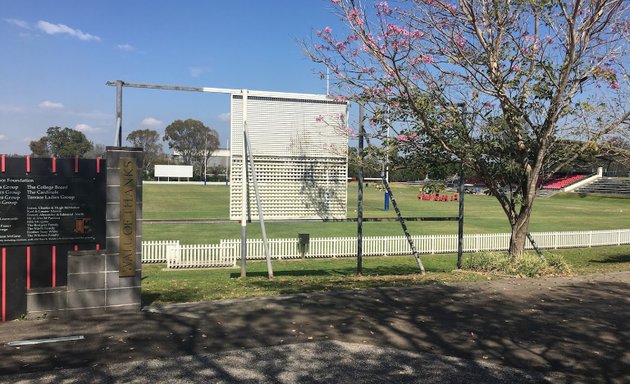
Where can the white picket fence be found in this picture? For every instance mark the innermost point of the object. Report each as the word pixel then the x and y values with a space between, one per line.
pixel 155 251
pixel 227 252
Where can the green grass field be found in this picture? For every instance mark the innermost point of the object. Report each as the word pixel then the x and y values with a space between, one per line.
pixel 159 285
pixel 562 212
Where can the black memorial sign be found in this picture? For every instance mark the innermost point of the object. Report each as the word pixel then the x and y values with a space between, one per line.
pixel 51 201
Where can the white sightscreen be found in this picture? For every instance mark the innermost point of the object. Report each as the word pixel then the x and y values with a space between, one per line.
pixel 173 171
pixel 299 145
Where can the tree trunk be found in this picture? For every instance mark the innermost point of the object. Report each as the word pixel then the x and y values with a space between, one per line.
pixel 520 228
pixel 518 238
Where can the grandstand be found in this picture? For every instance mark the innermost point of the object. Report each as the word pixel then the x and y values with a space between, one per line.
pixel 608 186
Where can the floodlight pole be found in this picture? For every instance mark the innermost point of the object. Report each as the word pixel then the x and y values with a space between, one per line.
pixel 205 163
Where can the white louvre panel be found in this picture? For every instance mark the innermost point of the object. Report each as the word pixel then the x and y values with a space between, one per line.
pixel 300 144
pixel 290 126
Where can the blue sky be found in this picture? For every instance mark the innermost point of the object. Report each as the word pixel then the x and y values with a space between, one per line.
pixel 57 56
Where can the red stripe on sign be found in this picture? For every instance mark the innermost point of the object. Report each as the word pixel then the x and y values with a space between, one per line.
pixel 54 266
pixel 28 164
pixel 4 284
pixel 28 267
pixel 98 165
pixel 76 164
pixel 98 246
pixel 4 164
pixel 76 247
pixel 54 165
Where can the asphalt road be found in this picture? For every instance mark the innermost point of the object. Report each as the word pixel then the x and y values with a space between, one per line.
pixel 571 329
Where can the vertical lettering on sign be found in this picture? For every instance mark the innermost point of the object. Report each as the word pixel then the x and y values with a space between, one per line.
pixel 128 186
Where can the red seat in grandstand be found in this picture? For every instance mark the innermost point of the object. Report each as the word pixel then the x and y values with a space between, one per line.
pixel 564 182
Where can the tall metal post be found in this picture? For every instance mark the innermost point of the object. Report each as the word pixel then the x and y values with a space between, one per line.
pixel 244 194
pixel 401 220
pixel 460 226
pixel 360 195
pixel 205 163
pixel 263 229
pixel 386 167
pixel 119 87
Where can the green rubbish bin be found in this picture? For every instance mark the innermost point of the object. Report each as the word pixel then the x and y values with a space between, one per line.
pixel 303 243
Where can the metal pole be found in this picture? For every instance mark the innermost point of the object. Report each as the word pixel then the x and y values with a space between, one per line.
pixel 386 166
pixel 259 205
pixel 119 86
pixel 244 194
pixel 205 162
pixel 401 220
pixel 460 226
pixel 360 196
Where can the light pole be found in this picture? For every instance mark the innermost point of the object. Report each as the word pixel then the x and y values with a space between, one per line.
pixel 205 162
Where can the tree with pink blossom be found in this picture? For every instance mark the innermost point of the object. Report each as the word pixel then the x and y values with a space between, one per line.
pixel 493 84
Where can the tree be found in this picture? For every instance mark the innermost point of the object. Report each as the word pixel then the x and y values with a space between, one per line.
pixel 193 141
pixel 149 141
pixel 61 142
pixel 493 83
pixel 98 150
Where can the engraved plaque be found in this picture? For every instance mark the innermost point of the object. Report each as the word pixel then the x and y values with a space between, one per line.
pixel 128 186
pixel 64 206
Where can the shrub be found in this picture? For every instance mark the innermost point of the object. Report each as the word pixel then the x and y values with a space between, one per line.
pixel 530 264
pixel 558 264
pixel 486 262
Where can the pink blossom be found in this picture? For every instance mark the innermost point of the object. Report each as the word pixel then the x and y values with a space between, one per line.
pixel 354 17
pixel 614 85
pixel 460 41
pixel 402 137
pixel 327 30
pixel 351 132
pixel 396 29
pixel 383 8
pixel 416 34
pixel 341 46
pixel 335 1
pixel 319 119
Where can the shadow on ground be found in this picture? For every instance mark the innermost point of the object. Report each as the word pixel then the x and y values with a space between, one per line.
pixel 573 326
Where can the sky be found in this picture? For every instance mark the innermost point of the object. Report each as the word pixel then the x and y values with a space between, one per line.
pixel 58 55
